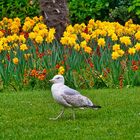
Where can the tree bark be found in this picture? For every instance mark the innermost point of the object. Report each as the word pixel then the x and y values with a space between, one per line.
pixel 55 13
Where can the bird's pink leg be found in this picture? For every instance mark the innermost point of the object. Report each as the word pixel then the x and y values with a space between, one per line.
pixel 61 113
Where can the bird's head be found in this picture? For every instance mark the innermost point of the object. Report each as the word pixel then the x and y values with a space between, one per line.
pixel 57 79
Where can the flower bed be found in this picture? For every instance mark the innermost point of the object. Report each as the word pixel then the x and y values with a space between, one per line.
pixel 99 54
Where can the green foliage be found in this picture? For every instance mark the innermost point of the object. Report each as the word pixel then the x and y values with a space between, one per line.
pixel 19 8
pixel 122 10
pixel 83 10
pixel 80 10
pixel 112 10
pixel 135 7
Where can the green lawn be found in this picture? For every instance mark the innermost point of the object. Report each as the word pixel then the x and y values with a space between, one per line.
pixel 25 116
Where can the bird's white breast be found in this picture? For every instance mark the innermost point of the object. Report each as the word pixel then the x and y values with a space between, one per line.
pixel 56 91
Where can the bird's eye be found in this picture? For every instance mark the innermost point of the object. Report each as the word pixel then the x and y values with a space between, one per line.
pixel 57 77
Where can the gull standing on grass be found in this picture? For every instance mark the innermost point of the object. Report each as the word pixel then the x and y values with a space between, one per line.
pixel 68 97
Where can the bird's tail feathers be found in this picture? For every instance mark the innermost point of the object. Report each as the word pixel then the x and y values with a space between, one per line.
pixel 95 106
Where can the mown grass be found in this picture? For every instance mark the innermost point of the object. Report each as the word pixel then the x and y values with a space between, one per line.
pixel 25 116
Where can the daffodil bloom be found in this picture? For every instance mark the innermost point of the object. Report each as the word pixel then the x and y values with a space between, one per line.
pixel 101 42
pixel 137 46
pixel 70 29
pixel 116 47
pixel 88 50
pixel 10 39
pixel 83 44
pixel 27 56
pixel 1 34
pixel 41 18
pixel 120 52
pixel 1 48
pixel 103 33
pixel 39 39
pixel 132 51
pixel 115 55
pixel 23 47
pixel 36 29
pixel 77 29
pixel 15 37
pixel 61 70
pixel 137 35
pixel 64 40
pixel 82 26
pixel 91 22
pixel 15 60
pixel 36 19
pixel 14 28
pixel 125 40
pixel 85 36
pixel 77 47
pixel 43 32
pixel 50 36
pixel 28 25
pixel 41 25
pixel 22 39
pixel 32 35
pixel 15 45
pixel 71 41
pixel 114 37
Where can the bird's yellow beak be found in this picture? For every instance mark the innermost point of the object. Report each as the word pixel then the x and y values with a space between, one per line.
pixel 52 81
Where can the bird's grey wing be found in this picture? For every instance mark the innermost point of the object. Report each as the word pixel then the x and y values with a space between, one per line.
pixel 77 100
pixel 70 91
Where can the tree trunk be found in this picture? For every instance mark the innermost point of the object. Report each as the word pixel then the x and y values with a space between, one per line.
pixel 55 13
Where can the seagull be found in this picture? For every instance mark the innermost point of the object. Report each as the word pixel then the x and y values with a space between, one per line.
pixel 68 97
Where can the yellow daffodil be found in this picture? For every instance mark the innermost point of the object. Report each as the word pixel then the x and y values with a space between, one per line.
pixel 23 47
pixel 51 35
pixel 22 39
pixel 132 51
pixel 61 70
pixel 137 46
pixel 137 35
pixel 115 55
pixel 120 52
pixel 77 47
pixel 32 35
pixel 39 39
pixel 1 34
pixel 70 29
pixel 27 56
pixel 125 40
pixel 15 60
pixel 116 47
pixel 83 44
pixel 88 50
pixel 101 42
pixel 1 48
pixel 85 36
pixel 114 37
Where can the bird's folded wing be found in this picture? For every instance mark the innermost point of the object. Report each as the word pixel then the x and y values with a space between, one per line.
pixel 70 91
pixel 75 100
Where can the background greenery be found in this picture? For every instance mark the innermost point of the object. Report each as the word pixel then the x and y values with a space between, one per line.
pixel 80 10
pixel 110 10
pixel 25 115
pixel 19 8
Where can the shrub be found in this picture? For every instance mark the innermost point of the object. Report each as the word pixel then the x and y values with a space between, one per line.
pixel 111 10
pixel 19 8
pixel 135 9
pixel 83 10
